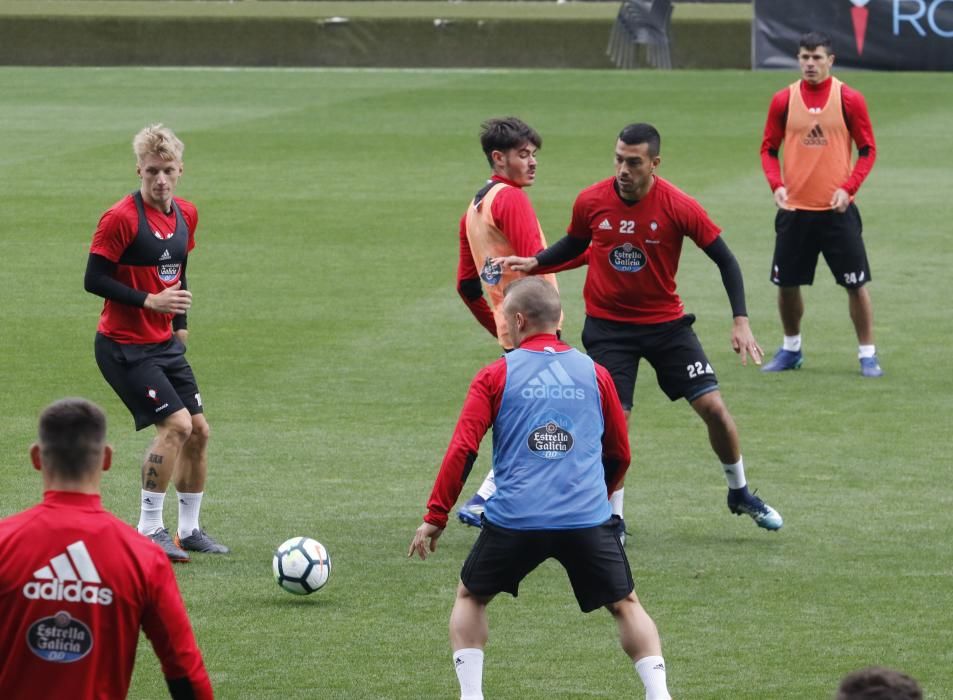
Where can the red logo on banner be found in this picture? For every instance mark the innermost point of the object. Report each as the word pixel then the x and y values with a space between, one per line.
pixel 858 15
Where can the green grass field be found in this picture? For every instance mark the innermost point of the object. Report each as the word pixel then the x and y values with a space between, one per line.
pixel 333 355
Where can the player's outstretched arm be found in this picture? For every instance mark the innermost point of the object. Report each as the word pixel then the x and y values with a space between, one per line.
pixel 426 532
pixel 517 263
pixel 742 339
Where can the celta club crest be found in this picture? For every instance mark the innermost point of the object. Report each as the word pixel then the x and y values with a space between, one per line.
pixel 858 16
pixel 491 274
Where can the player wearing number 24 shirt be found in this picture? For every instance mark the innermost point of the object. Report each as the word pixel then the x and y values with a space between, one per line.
pixel 634 225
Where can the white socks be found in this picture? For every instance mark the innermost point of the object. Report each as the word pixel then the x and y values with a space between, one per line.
pixel 615 500
pixel 468 663
pixel 793 343
pixel 189 506
pixel 651 670
pixel 488 487
pixel 735 474
pixel 150 512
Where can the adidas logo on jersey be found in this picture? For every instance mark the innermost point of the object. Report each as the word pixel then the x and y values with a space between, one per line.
pixel 605 225
pixel 552 383
pixel 70 576
pixel 165 255
pixel 815 137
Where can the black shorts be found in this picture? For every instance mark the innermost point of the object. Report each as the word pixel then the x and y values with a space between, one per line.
pixel 592 556
pixel 802 234
pixel 671 348
pixel 154 381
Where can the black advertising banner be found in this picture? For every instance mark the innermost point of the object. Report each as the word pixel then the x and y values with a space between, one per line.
pixel 874 34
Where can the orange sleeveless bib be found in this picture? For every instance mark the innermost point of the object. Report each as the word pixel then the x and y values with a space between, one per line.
pixel 817 150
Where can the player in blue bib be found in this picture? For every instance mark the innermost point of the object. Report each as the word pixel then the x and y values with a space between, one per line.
pixel 560 447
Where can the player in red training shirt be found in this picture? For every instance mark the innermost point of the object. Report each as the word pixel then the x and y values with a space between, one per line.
pixel 137 262
pixel 633 226
pixel 499 221
pixel 817 117
pixel 77 584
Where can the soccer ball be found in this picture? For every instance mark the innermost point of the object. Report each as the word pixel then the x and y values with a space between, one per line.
pixel 301 565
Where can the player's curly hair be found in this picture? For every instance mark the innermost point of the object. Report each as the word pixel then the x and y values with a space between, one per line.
pixel 159 140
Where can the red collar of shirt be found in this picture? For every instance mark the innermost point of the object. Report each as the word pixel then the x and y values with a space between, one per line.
pixel 541 341
pixel 820 90
pixel 824 85
pixel 90 501
pixel 500 178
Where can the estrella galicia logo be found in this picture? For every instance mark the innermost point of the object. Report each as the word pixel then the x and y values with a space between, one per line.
pixel 491 274
pixel 627 258
pixel 168 272
pixel 550 441
pixel 61 638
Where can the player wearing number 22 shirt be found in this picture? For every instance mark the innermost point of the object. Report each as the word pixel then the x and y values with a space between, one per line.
pixel 634 225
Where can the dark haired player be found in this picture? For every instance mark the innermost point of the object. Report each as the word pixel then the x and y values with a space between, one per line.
pixel 77 584
pixel 817 117
pixel 633 226
pixel 499 221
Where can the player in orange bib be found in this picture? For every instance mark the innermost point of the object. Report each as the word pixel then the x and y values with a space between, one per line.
pixel 817 117
pixel 499 221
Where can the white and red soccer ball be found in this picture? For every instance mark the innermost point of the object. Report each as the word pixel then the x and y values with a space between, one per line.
pixel 301 565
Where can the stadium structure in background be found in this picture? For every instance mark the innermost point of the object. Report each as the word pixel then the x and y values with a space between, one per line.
pixel 875 34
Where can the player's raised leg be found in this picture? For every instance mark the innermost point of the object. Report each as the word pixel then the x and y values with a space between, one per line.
pixel 471 512
pixel 723 436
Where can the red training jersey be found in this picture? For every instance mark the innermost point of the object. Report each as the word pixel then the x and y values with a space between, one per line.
pixel 76 585
pixel 815 97
pixel 635 248
pixel 119 240
pixel 479 411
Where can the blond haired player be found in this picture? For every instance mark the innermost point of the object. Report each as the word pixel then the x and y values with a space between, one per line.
pixel 137 262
